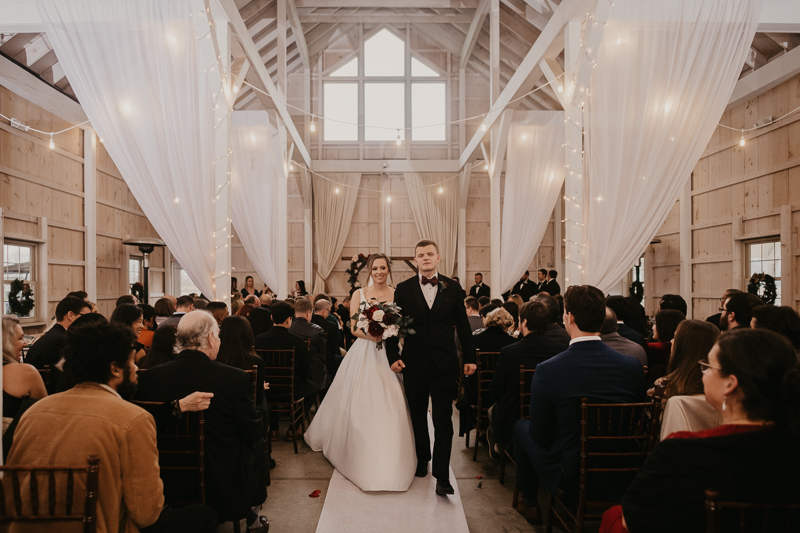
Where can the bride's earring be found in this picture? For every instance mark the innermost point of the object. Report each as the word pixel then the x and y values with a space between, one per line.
pixel 724 405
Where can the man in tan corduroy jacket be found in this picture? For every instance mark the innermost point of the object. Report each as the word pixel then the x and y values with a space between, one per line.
pixel 94 418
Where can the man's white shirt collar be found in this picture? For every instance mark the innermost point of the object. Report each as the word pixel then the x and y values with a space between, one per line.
pixel 584 339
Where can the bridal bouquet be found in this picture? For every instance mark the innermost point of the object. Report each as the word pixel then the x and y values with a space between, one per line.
pixel 382 320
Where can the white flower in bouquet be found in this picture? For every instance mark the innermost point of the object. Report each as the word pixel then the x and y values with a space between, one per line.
pixel 362 324
pixel 355 259
pixel 377 316
pixel 391 331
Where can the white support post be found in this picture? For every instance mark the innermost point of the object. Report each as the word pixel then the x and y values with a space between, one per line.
pixel 494 50
pixel 499 143
pixel 90 213
pixel 43 269
pixel 283 209
pixel 461 250
pixel 686 246
pixel 573 183
pixel 462 109
pixel 787 254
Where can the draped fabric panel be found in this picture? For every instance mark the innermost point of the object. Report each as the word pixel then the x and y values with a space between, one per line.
pixel 135 69
pixel 255 191
pixel 435 213
pixel 534 176
pixel 332 215
pixel 664 74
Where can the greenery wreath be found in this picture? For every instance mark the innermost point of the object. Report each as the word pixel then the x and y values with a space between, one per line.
pixel 20 307
pixel 769 294
pixel 359 262
pixel 637 291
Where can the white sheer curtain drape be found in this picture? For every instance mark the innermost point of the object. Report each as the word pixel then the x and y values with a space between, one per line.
pixel 134 68
pixel 255 191
pixel 435 213
pixel 534 176
pixel 332 215
pixel 664 74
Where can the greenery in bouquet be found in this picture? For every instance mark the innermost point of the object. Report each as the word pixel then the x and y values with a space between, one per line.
pixel 382 320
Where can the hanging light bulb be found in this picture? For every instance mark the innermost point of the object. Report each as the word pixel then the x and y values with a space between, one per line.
pixel 441 190
pixel 291 166
pixel 312 127
pixel 398 141
pixel 741 141
pixel 560 88
pixel 486 166
pixel 52 144
pixel 337 190
pixel 235 89
pixel 101 140
pixel 483 127
pixel 388 198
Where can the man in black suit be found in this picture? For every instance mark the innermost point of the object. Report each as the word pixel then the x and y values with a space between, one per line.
pixel 333 358
pixel 541 280
pixel 525 288
pixel 551 286
pixel 429 361
pixel 232 423
pixel 303 328
pixel 737 311
pixel 46 351
pixel 533 348
pixel 619 305
pixel 185 304
pixel 279 338
pixel 547 447
pixel 480 288
pixel 554 331
pixel 714 319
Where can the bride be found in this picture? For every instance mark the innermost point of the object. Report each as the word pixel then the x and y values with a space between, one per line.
pixel 363 426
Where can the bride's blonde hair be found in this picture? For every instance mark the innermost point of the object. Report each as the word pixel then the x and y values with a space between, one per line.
pixel 372 259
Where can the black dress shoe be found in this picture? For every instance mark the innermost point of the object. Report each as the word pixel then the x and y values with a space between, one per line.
pixel 261 525
pixel 422 469
pixel 443 487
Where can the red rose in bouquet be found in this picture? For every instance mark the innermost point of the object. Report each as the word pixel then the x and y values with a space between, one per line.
pixel 375 329
pixel 389 319
pixel 369 312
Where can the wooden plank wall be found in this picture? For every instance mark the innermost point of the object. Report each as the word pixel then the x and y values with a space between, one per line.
pixel 738 194
pixel 37 182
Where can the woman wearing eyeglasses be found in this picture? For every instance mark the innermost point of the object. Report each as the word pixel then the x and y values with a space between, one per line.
pixel 752 378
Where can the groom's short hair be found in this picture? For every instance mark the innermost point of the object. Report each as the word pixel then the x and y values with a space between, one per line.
pixel 303 306
pixel 423 243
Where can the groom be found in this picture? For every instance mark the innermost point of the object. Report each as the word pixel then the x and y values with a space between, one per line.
pixel 429 361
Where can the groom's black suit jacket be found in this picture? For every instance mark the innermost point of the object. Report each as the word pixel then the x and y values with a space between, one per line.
pixel 431 350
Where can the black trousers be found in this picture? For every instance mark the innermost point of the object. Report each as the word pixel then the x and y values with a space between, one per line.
pixel 188 519
pixel 442 391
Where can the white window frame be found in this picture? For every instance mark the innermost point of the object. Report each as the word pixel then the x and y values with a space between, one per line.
pixel 407 79
pixel 776 239
pixel 35 275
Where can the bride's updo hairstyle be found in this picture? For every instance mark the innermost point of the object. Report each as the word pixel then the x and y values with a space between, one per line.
pixel 372 259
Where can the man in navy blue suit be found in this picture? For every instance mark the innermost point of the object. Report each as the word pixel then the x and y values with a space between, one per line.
pixel 547 447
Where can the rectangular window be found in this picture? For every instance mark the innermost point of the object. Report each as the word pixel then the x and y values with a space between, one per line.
pixel 385 110
pixel 428 111
pixel 764 257
pixel 182 284
pixel 19 283
pixel 134 270
pixel 341 112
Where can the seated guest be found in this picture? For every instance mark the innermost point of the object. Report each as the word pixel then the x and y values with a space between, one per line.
pixel 473 313
pixel 483 301
pixel 236 350
pixel 219 310
pixel 164 309
pixel 236 305
pixel 95 418
pixel 163 347
pixel 232 424
pixel 637 317
pixel 249 288
pixel 126 299
pixel 132 317
pixel 330 317
pixel 554 331
pixel 714 319
pixel 666 323
pixel 303 328
pixel 67 379
pixel 344 315
pixel 737 311
pixel 513 309
pixel 673 301
pixel 20 381
pixel 279 338
pixel 83 295
pixel 149 322
pixel 260 317
pixel 200 303
pixel 253 300
pixel 266 298
pixel 333 357
pixel 686 408
pixel 615 341
pixel 47 350
pixel 533 348
pixel 245 310
pixel 783 320
pixel 547 447
pixel 752 378
pixel 622 309
pixel 185 305
pixel 491 339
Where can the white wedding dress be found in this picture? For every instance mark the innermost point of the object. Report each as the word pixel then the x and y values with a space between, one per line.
pixel 363 426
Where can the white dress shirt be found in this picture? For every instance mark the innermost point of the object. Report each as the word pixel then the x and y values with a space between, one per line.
pixel 584 339
pixel 428 290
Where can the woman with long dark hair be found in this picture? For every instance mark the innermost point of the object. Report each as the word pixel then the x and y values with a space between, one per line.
pixel 236 350
pixel 300 288
pixel 163 348
pixel 149 321
pixel 133 317
pixel 667 321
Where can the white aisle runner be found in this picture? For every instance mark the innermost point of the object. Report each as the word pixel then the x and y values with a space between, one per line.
pixel 348 509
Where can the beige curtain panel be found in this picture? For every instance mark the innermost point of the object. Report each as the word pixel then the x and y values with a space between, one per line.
pixel 435 213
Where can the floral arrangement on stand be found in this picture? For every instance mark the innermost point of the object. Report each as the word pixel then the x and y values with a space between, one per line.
pixel 20 307
pixel 763 286
pixel 359 262
pixel 382 320
pixel 137 289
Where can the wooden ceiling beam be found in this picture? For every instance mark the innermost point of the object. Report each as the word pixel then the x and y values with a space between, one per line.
pixel 297 31
pixel 472 33
pixel 434 4
pixel 378 18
